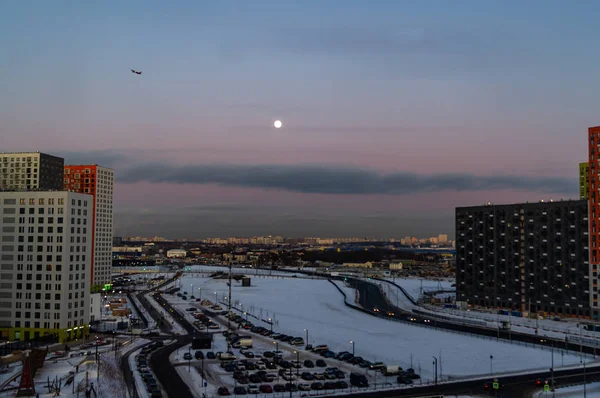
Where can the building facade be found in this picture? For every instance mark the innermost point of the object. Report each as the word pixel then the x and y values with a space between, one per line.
pixel 30 171
pixel 584 178
pixel 526 257
pixel 45 258
pixel 99 182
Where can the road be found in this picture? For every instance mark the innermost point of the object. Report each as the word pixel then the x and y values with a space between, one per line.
pixel 127 371
pixel 162 368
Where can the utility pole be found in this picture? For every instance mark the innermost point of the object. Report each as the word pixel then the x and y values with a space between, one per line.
pixel 229 304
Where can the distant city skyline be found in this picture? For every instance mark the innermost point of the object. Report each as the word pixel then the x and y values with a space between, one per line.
pixel 393 114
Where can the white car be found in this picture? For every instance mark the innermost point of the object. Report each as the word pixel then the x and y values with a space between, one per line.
pixel 253 389
pixel 301 387
pixel 227 356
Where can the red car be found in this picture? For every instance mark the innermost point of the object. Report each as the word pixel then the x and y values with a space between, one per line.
pixel 266 389
pixel 223 391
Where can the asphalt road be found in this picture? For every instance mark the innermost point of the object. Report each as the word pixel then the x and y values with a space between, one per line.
pixel 127 371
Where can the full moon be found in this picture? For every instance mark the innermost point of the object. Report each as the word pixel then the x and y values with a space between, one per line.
pixel 277 124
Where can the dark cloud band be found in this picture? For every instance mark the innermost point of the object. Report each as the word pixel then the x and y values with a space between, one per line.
pixel 338 180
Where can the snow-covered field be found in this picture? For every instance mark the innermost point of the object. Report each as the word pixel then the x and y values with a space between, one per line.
pixel 296 304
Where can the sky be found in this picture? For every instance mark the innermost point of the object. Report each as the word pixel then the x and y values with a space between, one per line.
pixel 394 112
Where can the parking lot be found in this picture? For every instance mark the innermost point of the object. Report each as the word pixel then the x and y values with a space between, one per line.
pixel 260 361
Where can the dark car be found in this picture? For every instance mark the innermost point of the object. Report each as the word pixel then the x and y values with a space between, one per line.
pixel 265 389
pixel 307 376
pixel 341 384
pixel 223 391
pixel 279 388
pixel 210 355
pixel 291 387
pixel 239 391
pixel 345 357
pixel 309 364
pixel 268 354
pixel 330 385
pixel 358 380
pixel 321 363
pixel 199 355
pixel 316 386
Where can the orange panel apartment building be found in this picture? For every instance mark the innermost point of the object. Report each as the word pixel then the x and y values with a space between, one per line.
pixel 594 209
pixel 99 182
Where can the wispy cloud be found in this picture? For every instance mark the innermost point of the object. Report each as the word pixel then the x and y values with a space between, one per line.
pixel 338 180
pixel 106 158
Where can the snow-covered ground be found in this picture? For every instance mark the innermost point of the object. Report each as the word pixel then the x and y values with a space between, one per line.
pixel 545 327
pixel 592 390
pixel 108 384
pixel 296 304
pixel 416 286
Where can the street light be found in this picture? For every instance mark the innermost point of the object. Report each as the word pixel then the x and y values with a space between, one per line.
pixel 306 330
pixel 200 295
pixel 276 346
pixel 352 342
pixel 435 367
pixel 491 369
pixel 298 362
pixel 189 358
pixel 271 322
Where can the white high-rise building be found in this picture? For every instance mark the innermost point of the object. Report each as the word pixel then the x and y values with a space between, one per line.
pixel 45 264
pixel 99 182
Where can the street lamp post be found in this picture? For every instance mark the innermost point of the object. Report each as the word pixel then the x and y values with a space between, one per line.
pixel 276 346
pixel 189 358
pixel 298 363
pixel 271 323
pixel 352 342
pixel 491 368
pixel 200 294
pixel 306 330
pixel 192 289
pixel 552 368
pixel 435 362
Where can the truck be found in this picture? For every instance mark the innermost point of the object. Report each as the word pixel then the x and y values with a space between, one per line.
pixel 391 370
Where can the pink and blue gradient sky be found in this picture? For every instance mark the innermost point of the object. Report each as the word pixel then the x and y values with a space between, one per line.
pixel 394 112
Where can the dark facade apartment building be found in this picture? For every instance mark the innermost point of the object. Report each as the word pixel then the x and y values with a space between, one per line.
pixel 526 257
pixel 31 171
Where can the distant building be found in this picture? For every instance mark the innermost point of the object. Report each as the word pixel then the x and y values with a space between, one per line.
pixel 176 253
pixel 99 182
pixel 127 250
pixel 584 178
pixel 442 238
pixel 396 266
pixel 525 256
pixel 359 265
pixel 30 171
